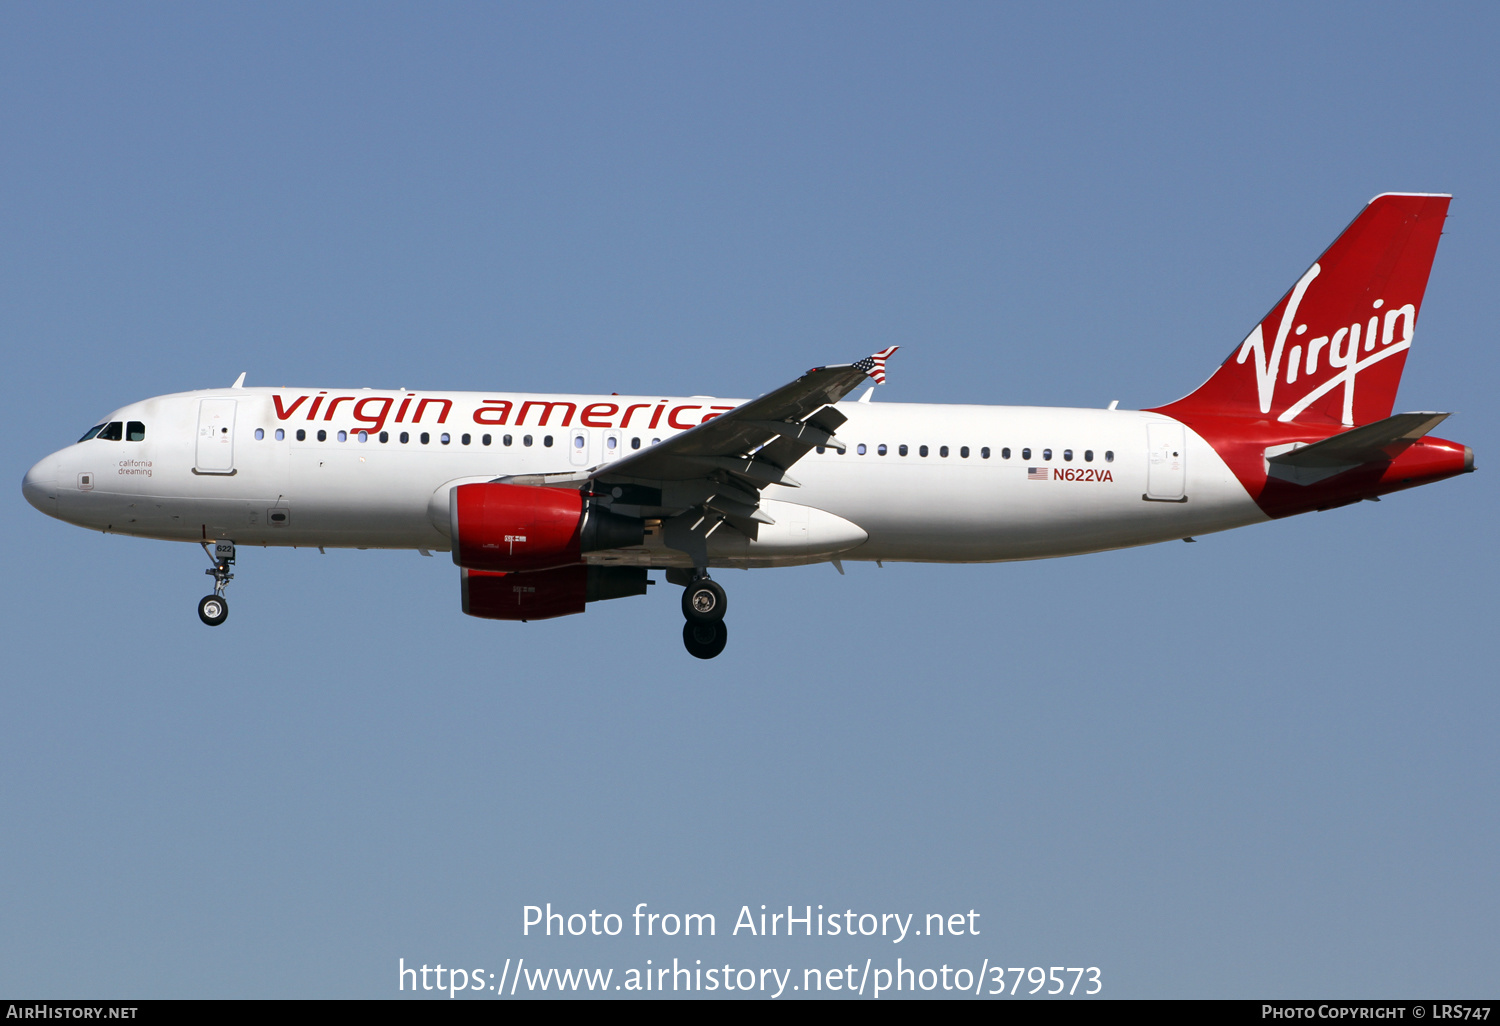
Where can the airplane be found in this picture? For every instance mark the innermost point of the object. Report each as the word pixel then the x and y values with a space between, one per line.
pixel 549 502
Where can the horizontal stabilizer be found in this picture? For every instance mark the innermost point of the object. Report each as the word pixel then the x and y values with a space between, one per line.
pixel 1379 442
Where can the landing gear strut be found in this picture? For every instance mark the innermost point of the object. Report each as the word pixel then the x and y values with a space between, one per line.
pixel 703 606
pixel 214 609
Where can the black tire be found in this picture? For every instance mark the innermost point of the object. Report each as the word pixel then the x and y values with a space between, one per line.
pixel 213 610
pixel 705 640
pixel 704 602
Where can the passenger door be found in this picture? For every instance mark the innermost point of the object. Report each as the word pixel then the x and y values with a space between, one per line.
pixel 1166 473
pixel 215 436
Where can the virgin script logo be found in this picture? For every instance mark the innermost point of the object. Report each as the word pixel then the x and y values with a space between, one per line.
pixel 1343 349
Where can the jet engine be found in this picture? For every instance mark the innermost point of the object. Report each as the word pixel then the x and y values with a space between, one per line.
pixel 517 528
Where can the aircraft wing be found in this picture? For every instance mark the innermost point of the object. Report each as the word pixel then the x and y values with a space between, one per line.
pixel 719 467
pixel 762 437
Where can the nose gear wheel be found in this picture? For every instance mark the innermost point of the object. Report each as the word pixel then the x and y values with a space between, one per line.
pixel 213 610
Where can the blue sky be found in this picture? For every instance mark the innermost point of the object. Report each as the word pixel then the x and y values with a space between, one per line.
pixel 1259 765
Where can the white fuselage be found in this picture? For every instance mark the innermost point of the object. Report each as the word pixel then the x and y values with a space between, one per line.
pixel 1054 482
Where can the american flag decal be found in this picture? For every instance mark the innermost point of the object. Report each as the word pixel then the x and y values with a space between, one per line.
pixel 1036 473
pixel 875 365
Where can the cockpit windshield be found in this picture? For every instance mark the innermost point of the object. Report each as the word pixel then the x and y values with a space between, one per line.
pixel 116 431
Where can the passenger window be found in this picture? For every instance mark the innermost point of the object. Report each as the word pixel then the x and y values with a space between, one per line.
pixel 984 453
pixel 1067 455
pixel 92 432
pixel 964 452
pixel 1109 456
pixel 547 441
pixel 860 448
pixel 1088 455
pixel 880 449
pixel 445 438
pixel 822 449
pixel 364 436
pixel 1005 453
pixel 922 450
pixel 1026 453
pixel 1046 454
pixel 656 441
pixel 343 436
pixel 943 451
pixel 385 436
pixel 322 435
pixel 424 438
pixel 464 439
pixel 506 440
pixel 113 432
pixel 135 431
pixel 404 437
pixel 281 435
pixel 611 443
pixel 635 443
pixel 578 441
pixel 525 439
pixel 260 435
pixel 484 439
pixel 902 450
pixel 301 435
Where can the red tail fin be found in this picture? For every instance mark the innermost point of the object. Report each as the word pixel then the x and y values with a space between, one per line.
pixel 1332 350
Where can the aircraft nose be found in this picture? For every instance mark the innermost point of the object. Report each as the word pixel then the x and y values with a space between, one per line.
pixel 40 486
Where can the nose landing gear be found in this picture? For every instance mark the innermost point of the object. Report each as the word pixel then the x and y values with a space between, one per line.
pixel 703 606
pixel 214 609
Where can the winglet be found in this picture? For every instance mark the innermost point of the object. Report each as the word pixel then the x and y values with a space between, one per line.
pixel 875 365
pixel 239 382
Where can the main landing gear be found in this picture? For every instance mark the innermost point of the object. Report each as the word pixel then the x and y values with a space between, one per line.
pixel 214 609
pixel 703 606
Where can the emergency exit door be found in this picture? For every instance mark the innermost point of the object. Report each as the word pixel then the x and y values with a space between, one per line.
pixel 578 448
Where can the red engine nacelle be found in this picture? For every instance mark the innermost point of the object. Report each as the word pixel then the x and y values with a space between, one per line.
pixel 543 594
pixel 515 528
